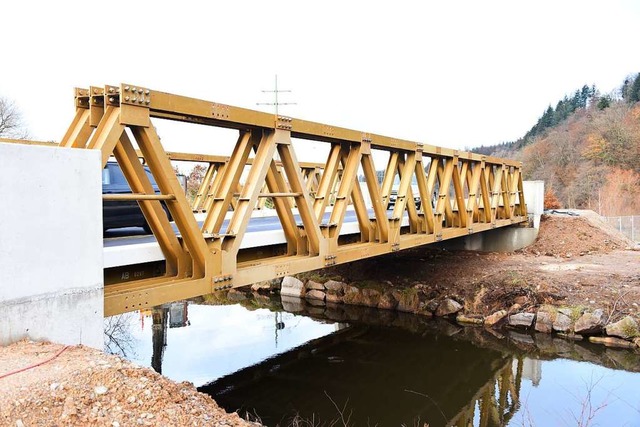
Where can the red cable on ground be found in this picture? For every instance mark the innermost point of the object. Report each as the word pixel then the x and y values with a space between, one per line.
pixel 35 364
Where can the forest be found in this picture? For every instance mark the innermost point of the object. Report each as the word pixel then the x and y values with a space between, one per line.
pixel 586 149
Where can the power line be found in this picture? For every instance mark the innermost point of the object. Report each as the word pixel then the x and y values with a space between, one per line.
pixel 276 91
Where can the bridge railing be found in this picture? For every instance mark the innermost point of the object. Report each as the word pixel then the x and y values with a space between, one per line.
pixel 473 193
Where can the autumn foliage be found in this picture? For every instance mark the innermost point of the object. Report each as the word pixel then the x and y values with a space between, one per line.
pixel 620 194
pixel 591 159
pixel 550 200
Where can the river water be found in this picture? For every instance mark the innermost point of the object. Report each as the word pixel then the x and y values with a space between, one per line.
pixel 363 367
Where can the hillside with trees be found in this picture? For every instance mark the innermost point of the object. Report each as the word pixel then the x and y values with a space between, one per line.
pixel 586 149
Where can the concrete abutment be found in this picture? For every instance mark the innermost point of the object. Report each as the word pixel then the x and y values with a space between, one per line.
pixel 51 256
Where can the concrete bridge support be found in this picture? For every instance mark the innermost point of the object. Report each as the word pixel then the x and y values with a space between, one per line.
pixel 507 239
pixel 51 278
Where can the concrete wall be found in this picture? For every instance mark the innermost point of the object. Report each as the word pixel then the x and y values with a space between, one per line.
pixel 534 197
pixel 51 279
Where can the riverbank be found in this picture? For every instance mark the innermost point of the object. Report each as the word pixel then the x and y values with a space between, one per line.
pixel 81 386
pixel 580 279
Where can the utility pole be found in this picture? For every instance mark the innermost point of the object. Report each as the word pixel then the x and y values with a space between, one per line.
pixel 276 103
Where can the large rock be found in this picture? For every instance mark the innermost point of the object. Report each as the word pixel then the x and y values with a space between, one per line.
pixel 468 320
pixel 626 328
pixel 448 307
pixel 408 300
pixel 334 286
pixel 371 297
pixel 590 323
pixel 292 287
pixel 334 291
pixel 352 295
pixel 311 285
pixel 266 286
pixel 261 287
pixel 563 321
pixel 333 298
pixel 494 318
pixel 522 320
pixel 431 305
pixel 315 295
pixel 544 320
pixel 388 302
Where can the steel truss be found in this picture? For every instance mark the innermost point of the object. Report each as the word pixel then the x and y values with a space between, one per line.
pixel 473 193
pixel 497 401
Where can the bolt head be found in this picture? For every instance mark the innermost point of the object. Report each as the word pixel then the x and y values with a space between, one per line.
pixel 112 99
pixel 126 88
pixel 126 98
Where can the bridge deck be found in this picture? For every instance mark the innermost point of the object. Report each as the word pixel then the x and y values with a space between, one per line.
pixel 128 247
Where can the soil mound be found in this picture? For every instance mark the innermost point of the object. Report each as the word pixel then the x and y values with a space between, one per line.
pixel 83 386
pixel 567 236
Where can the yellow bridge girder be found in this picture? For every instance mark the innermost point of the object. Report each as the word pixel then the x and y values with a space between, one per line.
pixel 473 193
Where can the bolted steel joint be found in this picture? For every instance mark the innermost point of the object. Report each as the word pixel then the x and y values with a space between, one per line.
pixel 284 123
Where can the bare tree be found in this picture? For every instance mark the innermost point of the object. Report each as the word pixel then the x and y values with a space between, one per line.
pixel 11 123
pixel 117 335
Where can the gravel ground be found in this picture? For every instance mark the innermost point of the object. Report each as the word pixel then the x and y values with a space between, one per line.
pixel 85 387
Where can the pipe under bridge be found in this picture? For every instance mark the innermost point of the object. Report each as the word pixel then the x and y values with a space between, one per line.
pixel 462 193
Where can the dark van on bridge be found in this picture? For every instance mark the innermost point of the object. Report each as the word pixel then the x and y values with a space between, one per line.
pixel 122 213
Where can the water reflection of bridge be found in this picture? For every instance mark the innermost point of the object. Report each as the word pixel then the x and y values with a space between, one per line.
pixel 384 376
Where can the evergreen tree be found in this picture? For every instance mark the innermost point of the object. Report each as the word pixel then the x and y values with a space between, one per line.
pixel 634 91
pixel 626 91
pixel 585 95
pixel 546 120
pixel 604 102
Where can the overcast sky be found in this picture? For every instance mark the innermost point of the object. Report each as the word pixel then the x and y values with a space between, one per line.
pixel 454 73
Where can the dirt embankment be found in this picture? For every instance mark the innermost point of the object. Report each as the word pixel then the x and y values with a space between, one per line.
pixel 576 260
pixel 85 387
